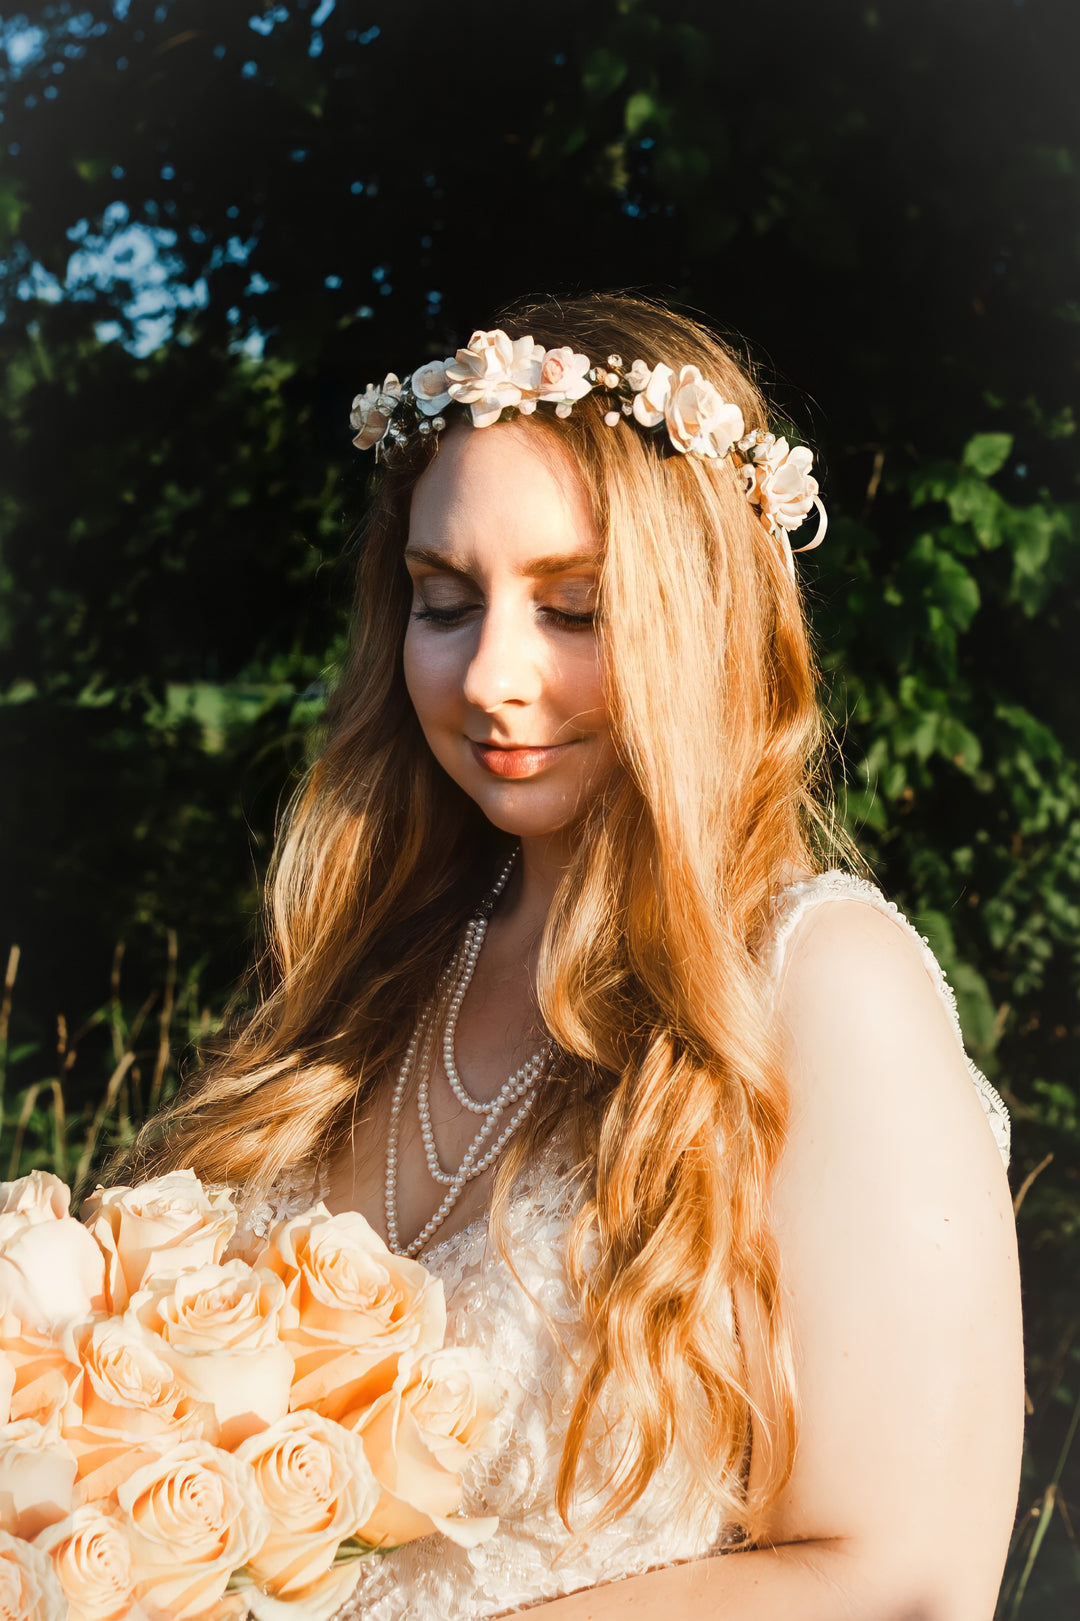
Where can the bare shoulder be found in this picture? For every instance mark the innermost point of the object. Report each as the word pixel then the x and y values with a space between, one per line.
pixel 891 1214
pixel 866 1033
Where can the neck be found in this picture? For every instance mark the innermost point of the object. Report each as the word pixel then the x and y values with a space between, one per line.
pixel 540 865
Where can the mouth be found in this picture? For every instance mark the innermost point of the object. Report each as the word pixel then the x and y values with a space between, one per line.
pixel 519 760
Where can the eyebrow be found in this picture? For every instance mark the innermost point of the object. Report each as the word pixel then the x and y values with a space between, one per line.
pixel 538 568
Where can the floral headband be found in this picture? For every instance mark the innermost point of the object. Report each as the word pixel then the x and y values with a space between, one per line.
pixel 500 377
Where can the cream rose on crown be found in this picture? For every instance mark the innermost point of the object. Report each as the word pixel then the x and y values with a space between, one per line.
pixel 698 420
pixel 370 414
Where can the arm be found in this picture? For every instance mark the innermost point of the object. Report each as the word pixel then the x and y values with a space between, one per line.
pixel 892 1215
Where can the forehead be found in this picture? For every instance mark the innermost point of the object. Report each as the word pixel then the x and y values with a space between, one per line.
pixel 506 485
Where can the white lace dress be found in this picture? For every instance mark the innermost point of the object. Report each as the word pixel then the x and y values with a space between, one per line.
pixel 532 1557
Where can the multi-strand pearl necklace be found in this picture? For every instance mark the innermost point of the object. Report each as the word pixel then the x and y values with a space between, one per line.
pixel 517 1093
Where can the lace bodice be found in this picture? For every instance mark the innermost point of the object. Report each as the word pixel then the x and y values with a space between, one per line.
pixel 532 1557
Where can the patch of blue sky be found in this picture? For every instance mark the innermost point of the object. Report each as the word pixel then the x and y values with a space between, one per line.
pixel 141 256
pixel 266 21
pixel 21 43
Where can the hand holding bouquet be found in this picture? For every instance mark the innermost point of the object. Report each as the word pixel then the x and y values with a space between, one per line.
pixel 185 1433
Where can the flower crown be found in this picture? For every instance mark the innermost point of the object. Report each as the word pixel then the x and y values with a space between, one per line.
pixel 497 377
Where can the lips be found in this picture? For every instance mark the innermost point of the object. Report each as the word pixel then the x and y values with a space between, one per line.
pixel 525 761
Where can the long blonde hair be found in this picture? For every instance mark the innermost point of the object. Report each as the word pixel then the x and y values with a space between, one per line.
pixel 650 979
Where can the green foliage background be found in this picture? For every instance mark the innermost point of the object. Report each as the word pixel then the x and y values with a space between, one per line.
pixel 217 221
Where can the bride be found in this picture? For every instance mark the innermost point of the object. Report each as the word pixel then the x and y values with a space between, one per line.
pixel 568 995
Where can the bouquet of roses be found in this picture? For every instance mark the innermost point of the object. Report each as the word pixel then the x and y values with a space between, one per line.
pixel 187 1433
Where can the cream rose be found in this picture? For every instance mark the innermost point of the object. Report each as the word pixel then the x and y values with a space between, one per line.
pixel 651 398
pixel 91 1557
pixel 192 1518
pixel 781 483
pixel 38 1194
pixel 51 1272
pixel 217 1328
pixel 170 1223
pixel 562 376
pixel 352 1309
pixel 129 1407
pixel 370 414
pixel 418 1439
pixel 699 421
pixel 37 1477
pixel 429 385
pixel 483 375
pixel 314 1478
pixel 29 1590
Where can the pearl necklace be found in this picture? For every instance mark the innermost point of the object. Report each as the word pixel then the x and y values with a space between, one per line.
pixel 519 1089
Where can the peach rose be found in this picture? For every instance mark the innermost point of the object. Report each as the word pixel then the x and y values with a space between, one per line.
pixel 91 1557
pixel 651 398
pixel 352 1308
pixel 562 376
pixel 430 386
pixel 51 1272
pixel 418 1439
pixel 37 1477
pixel 7 1386
pixel 45 1371
pixel 29 1590
pixel 127 1409
pixel 170 1223
pixel 217 1328
pixel 370 414
pixel 39 1194
pixel 699 421
pixel 315 1481
pixel 192 1517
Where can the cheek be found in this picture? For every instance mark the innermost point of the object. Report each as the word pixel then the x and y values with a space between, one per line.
pixel 432 676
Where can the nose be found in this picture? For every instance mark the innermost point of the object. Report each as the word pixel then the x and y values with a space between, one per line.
pixel 506 663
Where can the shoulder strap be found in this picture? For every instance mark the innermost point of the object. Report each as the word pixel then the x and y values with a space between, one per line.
pixel 796 900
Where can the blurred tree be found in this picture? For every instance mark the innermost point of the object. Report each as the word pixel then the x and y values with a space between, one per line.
pixel 216 222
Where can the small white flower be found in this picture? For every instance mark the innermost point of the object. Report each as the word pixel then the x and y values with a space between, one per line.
pixel 698 419
pixel 638 376
pixel 430 386
pixel 370 414
pixel 650 401
pixel 612 418
pixel 562 376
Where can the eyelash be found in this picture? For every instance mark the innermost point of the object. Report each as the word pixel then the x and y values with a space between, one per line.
pixel 448 617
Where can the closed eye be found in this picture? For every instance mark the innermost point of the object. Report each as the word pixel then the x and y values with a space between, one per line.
pixel 455 616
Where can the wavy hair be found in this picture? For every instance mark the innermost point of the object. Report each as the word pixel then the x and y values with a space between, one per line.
pixel 650 979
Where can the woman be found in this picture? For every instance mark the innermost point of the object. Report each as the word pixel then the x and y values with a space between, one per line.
pixel 563 995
